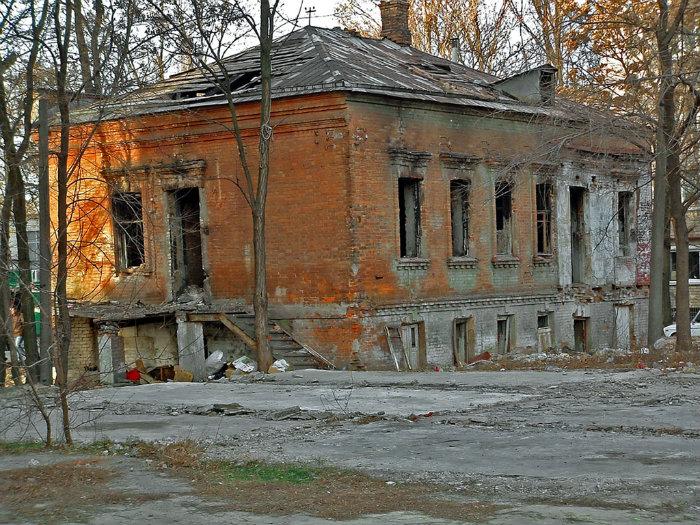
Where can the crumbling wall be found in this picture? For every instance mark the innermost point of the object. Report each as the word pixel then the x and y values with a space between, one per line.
pixel 82 351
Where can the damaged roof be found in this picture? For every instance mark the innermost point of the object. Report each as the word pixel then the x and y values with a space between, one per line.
pixel 315 60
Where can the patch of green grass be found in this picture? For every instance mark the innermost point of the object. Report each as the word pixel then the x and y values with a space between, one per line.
pixel 20 447
pixel 267 473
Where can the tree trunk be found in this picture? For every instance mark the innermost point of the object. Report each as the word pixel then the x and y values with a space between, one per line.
pixel 680 230
pixel 63 325
pixel 664 132
pixel 666 297
pixel 260 300
pixel 19 210
pixel 6 341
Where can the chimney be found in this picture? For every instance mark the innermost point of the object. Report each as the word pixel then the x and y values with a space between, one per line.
pixel 454 49
pixel 395 21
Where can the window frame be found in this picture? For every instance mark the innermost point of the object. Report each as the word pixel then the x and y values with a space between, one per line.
pixel 120 225
pixel 417 190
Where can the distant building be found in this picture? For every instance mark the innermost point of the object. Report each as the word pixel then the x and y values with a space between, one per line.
pixel 33 238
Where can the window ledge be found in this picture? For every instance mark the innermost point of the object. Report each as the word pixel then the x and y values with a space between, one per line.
pixel 505 261
pixel 463 263
pixel 135 270
pixel 412 263
pixel 543 260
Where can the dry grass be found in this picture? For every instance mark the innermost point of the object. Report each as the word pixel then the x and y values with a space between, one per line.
pixel 663 359
pixel 60 492
pixel 282 489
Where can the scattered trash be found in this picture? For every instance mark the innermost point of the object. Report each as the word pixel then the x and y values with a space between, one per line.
pixel 644 351
pixel 133 375
pixel 280 365
pixel 245 364
pixel 33 462
pixel 182 376
pixel 215 365
pixel 641 365
pixel 391 483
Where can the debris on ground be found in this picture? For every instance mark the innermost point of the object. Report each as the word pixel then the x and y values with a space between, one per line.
pixel 181 375
pixel 280 365
pixel 245 364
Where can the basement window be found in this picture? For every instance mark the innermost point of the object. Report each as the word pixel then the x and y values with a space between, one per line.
pixel 504 218
pixel 624 208
pixel 459 197
pixel 127 214
pixel 409 217
pixel 544 219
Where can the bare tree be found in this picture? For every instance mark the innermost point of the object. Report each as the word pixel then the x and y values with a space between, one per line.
pixel 201 32
pixel 21 33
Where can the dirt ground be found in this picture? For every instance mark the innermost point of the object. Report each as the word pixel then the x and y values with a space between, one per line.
pixel 373 447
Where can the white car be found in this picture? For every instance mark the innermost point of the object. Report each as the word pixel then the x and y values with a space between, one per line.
pixel 670 330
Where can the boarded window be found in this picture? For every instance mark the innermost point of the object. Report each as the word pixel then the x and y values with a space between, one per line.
pixel 624 217
pixel 544 331
pixel 128 226
pixel 504 218
pixel 459 197
pixel 409 217
pixel 464 340
pixel 544 219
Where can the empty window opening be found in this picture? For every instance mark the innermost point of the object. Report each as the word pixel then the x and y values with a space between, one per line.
pixel 624 219
pixel 547 80
pixel 578 230
pixel 127 214
pixel 504 334
pixel 459 197
pixel 185 239
pixel 504 218
pixel 693 263
pixel 411 339
pixel 464 341
pixel 544 331
pixel 581 335
pixel 409 217
pixel 544 219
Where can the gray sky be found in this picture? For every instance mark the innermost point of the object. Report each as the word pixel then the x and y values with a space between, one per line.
pixel 324 11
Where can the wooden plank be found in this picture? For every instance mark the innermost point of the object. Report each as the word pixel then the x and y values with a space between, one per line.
pixel 238 331
pixel 391 348
pixel 203 318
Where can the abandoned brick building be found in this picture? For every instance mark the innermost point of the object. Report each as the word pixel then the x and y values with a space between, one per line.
pixel 420 212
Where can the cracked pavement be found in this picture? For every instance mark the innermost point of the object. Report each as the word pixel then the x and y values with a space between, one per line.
pixel 593 446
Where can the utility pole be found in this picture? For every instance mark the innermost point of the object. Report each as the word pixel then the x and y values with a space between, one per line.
pixel 309 11
pixel 45 336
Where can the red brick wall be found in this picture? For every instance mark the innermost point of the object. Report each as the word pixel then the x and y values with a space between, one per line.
pixel 307 205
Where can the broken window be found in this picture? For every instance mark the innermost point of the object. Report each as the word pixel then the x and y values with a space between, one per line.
pixel 459 196
pixel 409 217
pixel 544 219
pixel 504 227
pixel 128 225
pixel 504 334
pixel 577 198
pixel 624 209
pixel 185 239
